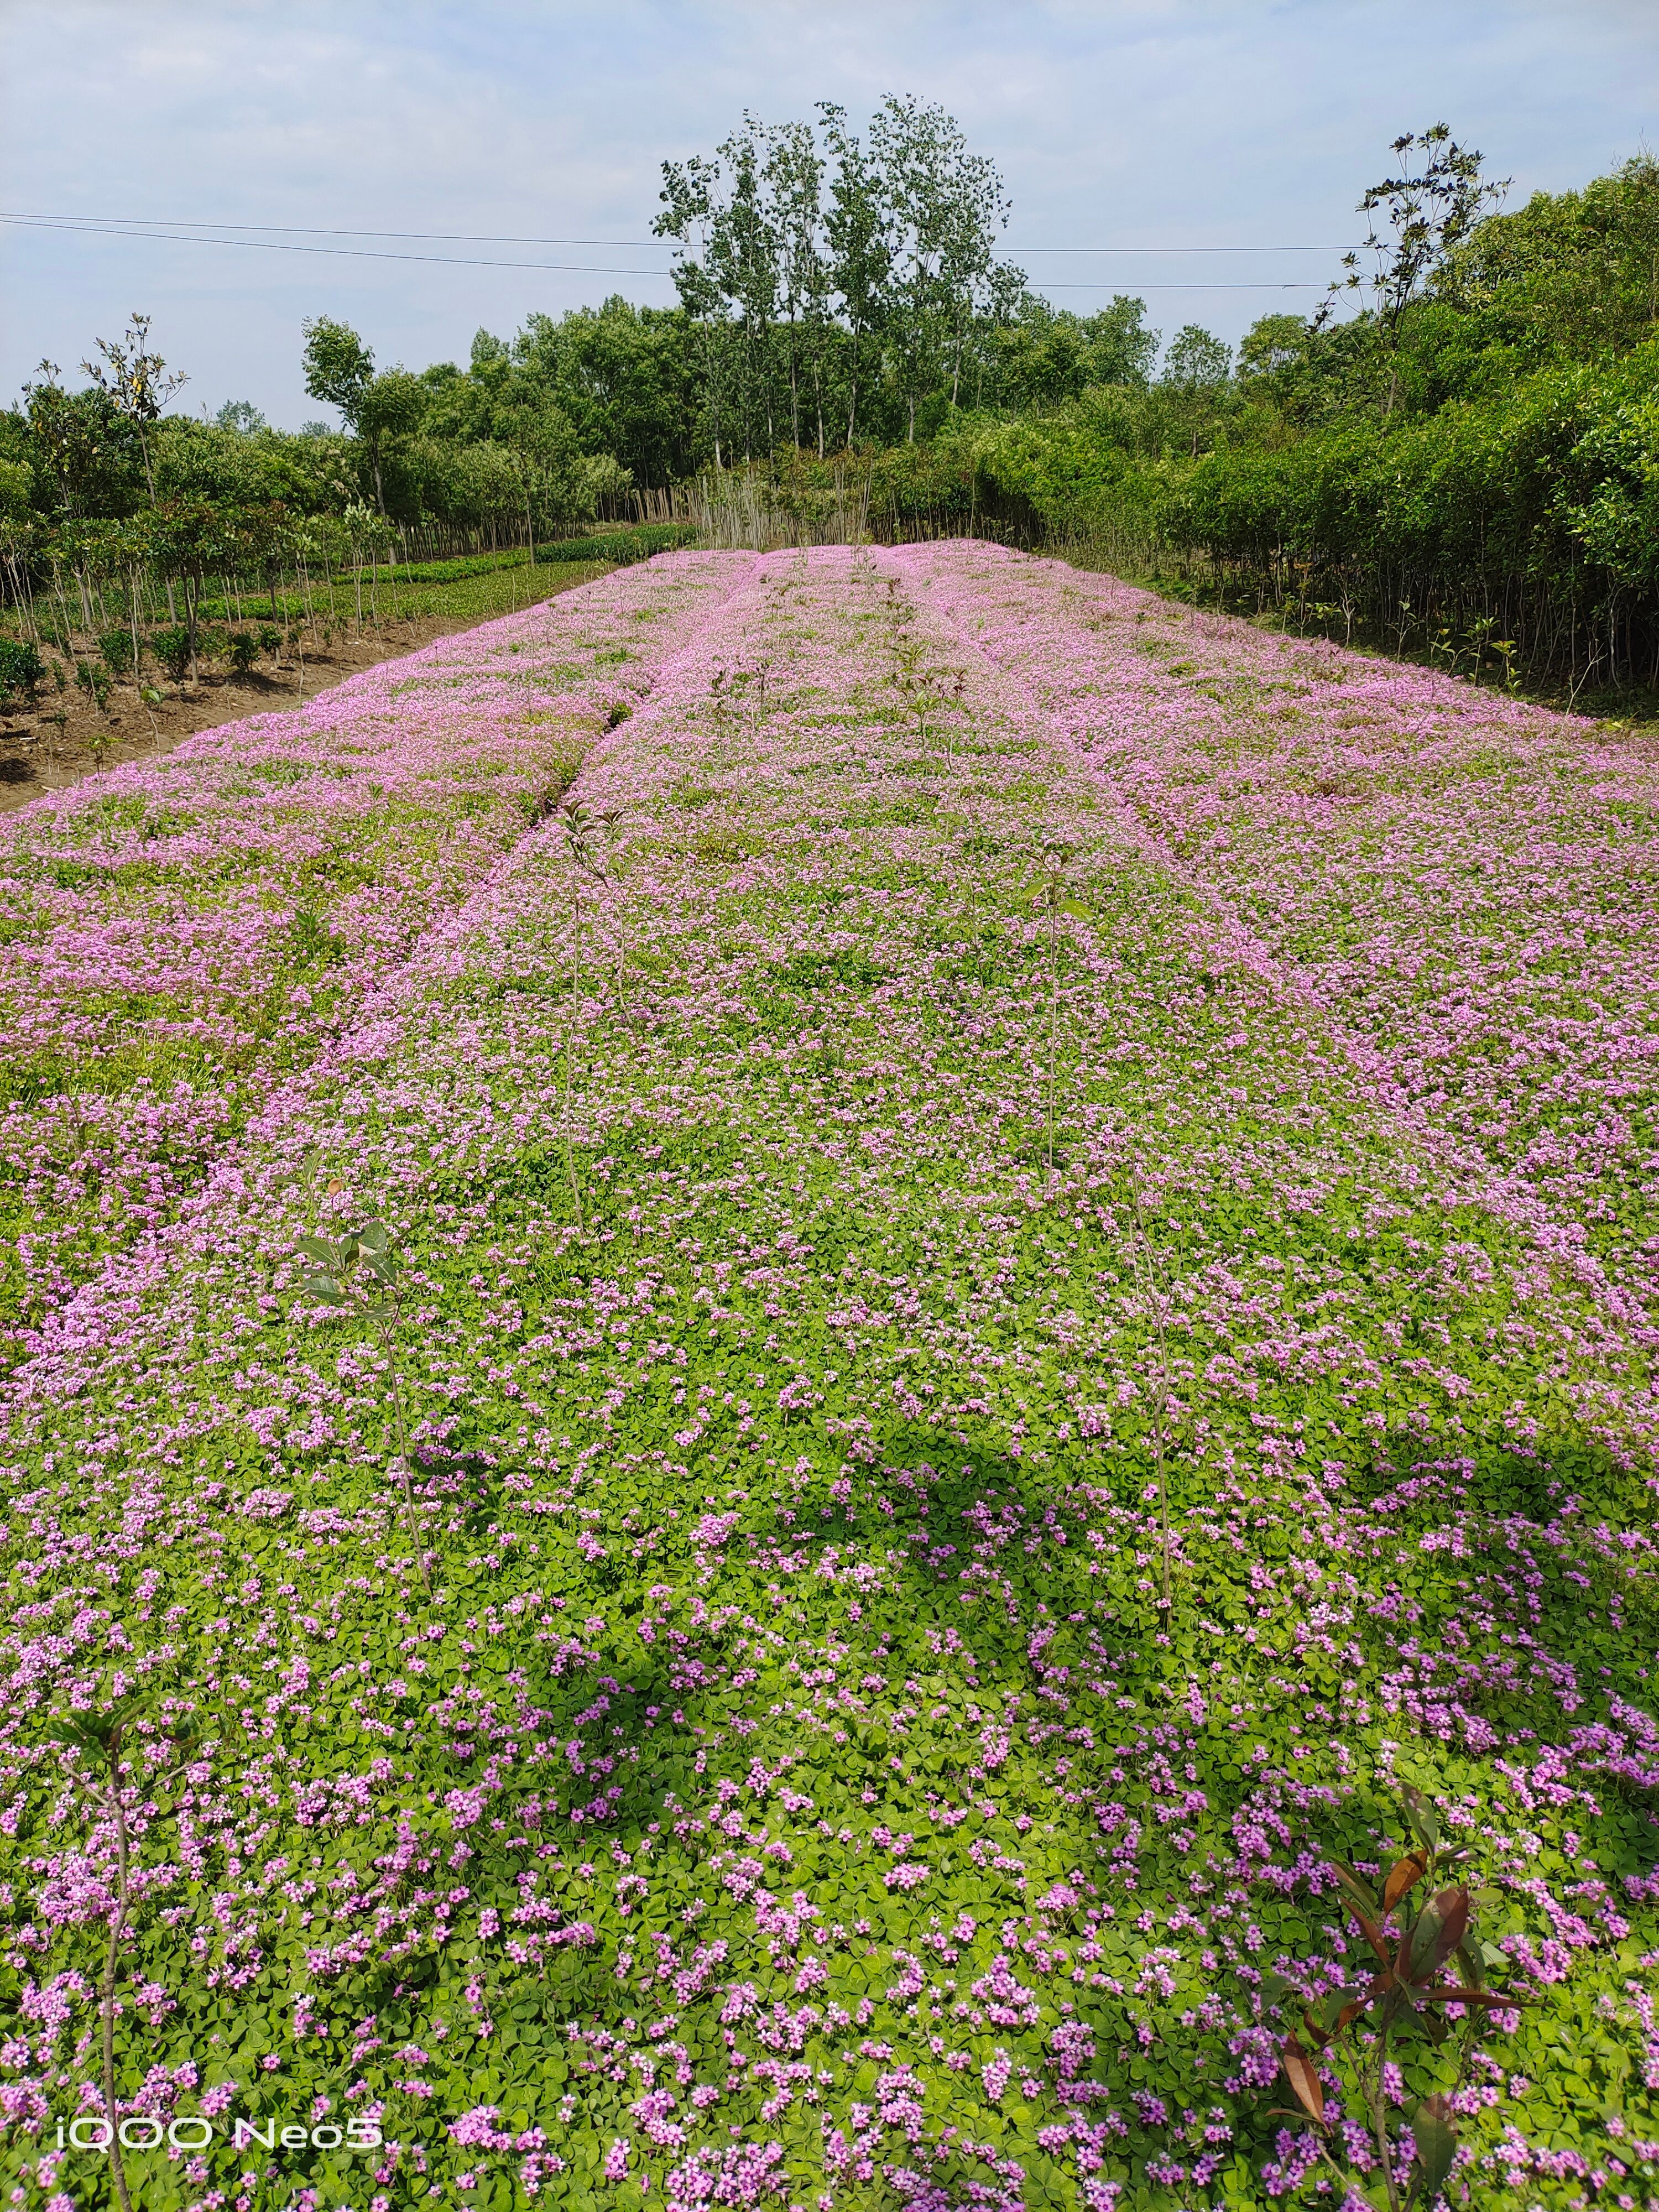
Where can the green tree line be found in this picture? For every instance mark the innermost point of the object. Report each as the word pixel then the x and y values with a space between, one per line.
pixel 1459 450
pixel 1467 464
pixel 837 291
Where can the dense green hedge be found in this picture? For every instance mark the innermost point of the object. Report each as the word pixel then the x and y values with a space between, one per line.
pixel 1531 513
pixel 617 547
pixel 1561 472
pixel 620 546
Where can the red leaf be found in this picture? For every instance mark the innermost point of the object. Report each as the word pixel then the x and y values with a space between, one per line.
pixel 1306 2085
pixel 1439 1928
pixel 1405 1874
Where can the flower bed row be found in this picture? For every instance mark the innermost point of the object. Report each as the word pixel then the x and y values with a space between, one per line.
pixel 1470 883
pixel 177 937
pixel 961 1448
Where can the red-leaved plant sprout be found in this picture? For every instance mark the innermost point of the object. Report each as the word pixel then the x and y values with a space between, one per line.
pixel 1414 1951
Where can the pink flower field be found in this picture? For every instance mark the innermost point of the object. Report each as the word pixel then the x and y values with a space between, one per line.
pixel 834 1385
pixel 180 937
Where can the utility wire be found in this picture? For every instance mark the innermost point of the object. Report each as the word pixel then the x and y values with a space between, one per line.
pixel 148 223
pixel 57 226
pixel 304 230
pixel 341 253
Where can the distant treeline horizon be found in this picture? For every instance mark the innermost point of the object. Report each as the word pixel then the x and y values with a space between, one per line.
pixel 1460 450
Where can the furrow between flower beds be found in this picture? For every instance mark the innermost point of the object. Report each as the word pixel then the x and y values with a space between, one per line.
pixel 957 1451
pixel 179 937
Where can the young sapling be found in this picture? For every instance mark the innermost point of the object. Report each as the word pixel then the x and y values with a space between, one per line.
pixel 1402 1994
pixel 99 1737
pixel 358 1271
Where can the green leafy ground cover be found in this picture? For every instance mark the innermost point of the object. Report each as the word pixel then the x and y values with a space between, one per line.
pixel 959 1450
pixel 179 938
pixel 471 588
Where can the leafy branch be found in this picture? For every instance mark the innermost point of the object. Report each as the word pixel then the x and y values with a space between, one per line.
pixel 358 1271
pixel 1428 211
pixel 1411 1947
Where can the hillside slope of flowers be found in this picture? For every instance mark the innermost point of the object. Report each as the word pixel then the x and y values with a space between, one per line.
pixel 177 937
pixel 933 1434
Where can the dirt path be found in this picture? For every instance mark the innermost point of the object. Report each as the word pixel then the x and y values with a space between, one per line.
pixel 39 753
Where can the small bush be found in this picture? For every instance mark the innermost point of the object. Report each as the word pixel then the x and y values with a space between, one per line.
pixel 20 667
pixel 241 650
pixel 171 647
pixel 95 680
pixel 269 639
pixel 115 650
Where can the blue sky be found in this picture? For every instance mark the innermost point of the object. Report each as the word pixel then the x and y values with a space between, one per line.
pixel 1162 123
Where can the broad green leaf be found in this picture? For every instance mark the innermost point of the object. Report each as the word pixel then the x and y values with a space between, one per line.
pixel 1436 2145
pixel 1425 1822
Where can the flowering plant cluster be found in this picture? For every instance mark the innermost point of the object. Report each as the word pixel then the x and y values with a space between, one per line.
pixel 849 1509
pixel 183 936
pixel 1463 884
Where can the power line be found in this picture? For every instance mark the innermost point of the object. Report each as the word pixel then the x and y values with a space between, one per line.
pixel 145 224
pixel 54 226
pixel 303 230
pixel 1178 249
pixel 1267 284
